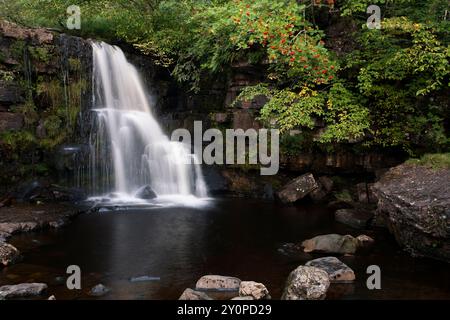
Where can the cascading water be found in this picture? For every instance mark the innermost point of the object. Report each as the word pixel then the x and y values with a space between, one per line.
pixel 129 149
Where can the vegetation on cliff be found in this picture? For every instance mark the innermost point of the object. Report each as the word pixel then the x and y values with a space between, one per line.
pixel 376 88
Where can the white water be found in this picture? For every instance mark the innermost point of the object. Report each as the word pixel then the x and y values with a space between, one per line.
pixel 138 152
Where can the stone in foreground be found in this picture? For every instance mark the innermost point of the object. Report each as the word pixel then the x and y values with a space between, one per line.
pixel 23 290
pixel 244 298
pixel 190 294
pixel 306 283
pixel 356 218
pixel 254 289
pixel 298 188
pixel 336 269
pixel 8 254
pixel 215 282
pixel 335 243
pixel 415 203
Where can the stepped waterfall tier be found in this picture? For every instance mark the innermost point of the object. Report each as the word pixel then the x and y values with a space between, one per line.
pixel 128 150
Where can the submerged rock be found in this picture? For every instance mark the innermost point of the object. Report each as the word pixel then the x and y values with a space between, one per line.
pixel 22 290
pixel 297 189
pixel 335 243
pixel 415 201
pixel 8 254
pixel 146 192
pixel 99 290
pixel 144 279
pixel 254 289
pixel 306 283
pixel 190 294
pixel 356 218
pixel 336 269
pixel 215 282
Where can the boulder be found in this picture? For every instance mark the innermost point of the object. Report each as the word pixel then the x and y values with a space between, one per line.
pixel 306 283
pixel 334 243
pixel 8 254
pixel 297 189
pixel 356 218
pixel 99 290
pixel 318 194
pixel 336 269
pixel 415 201
pixel 254 289
pixel 190 294
pixel 215 282
pixel 146 192
pixel 22 290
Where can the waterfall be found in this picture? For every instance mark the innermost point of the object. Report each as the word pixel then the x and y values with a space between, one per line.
pixel 128 149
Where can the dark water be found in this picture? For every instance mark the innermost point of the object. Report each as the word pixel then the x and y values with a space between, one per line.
pixel 232 237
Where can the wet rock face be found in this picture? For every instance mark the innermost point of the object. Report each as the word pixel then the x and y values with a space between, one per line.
pixel 415 202
pixel 298 188
pixel 306 283
pixel 22 290
pixel 38 68
pixel 8 254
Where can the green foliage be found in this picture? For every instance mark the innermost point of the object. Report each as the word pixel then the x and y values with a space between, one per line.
pixel 17 142
pixel 390 90
pixel 40 54
pixel 28 110
pixel 343 196
pixel 6 76
pixel 345 117
pixel 435 161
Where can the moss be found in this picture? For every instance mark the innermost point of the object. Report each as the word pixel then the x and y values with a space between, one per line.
pixel 74 64
pixel 6 76
pixel 343 196
pixel 433 160
pixel 17 141
pixel 17 49
pixel 28 110
pixel 2 57
pixel 40 54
